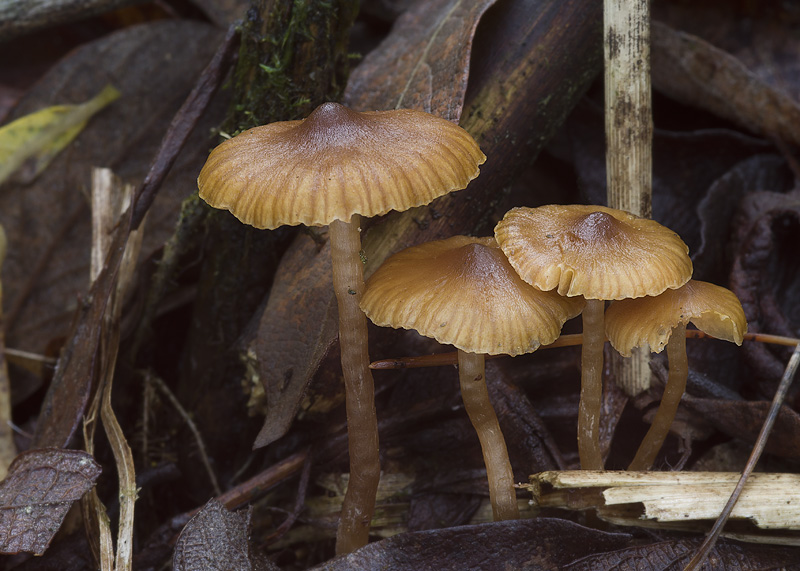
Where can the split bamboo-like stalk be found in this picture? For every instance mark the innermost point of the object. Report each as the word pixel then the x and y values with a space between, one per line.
pixel 629 135
pixel 676 500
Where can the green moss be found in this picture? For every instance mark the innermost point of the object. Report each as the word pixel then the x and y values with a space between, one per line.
pixel 292 58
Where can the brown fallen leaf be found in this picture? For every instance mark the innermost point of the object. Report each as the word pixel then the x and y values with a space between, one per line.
pixel 767 45
pixel 692 71
pixel 68 394
pixel 154 67
pixel 528 439
pixel 766 234
pixel 673 555
pixel 542 543
pixel 437 510
pixel 40 488
pixel 423 64
pixel 288 348
pixel 218 539
pixel 713 258
pixel 743 420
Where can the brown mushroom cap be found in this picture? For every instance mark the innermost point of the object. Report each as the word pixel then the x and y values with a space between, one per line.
pixel 336 163
pixel 593 251
pixel 462 291
pixel 713 309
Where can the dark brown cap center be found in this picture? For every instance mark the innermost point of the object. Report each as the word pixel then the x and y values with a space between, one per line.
pixel 332 124
pixel 596 228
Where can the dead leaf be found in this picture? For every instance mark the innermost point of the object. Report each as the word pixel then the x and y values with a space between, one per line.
pixel 675 554
pixel 767 44
pixel 120 136
pixel 40 488
pixel 767 231
pixel 289 349
pixel 218 539
pixel 692 71
pixel 713 258
pixel 434 511
pixel 743 420
pixel 154 66
pixel 530 445
pixel 423 64
pixel 614 401
pixel 538 544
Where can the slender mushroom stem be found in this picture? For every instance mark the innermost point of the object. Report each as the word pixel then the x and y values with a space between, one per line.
pixel 472 376
pixel 362 422
pixel 673 391
pixel 591 386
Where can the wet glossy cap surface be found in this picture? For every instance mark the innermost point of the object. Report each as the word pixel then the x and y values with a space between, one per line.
pixel 462 291
pixel 713 309
pixel 593 251
pixel 336 163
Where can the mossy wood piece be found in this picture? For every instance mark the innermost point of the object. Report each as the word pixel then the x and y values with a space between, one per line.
pixel 292 58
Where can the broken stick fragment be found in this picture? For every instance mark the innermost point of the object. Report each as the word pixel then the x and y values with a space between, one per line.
pixel 767 512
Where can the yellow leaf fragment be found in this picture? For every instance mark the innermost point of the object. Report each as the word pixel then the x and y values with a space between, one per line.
pixel 43 134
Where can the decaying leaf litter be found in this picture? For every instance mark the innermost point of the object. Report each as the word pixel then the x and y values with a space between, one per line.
pixel 725 183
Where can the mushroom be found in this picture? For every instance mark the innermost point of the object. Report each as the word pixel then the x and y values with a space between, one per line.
pixel 661 321
pixel 330 168
pixel 463 292
pixel 601 254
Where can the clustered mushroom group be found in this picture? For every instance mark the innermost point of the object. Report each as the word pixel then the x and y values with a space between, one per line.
pixel 507 294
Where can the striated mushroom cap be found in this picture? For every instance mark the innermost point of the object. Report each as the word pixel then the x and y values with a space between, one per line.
pixel 593 251
pixel 462 291
pixel 336 163
pixel 713 309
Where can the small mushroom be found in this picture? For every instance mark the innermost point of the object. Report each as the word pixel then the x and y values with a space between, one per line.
pixel 601 254
pixel 462 291
pixel 329 168
pixel 661 321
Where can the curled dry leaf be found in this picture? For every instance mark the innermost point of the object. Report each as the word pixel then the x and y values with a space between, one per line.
pixel 743 420
pixel 767 44
pixel 713 258
pixel 531 446
pixel 40 488
pixel 217 539
pixel 437 510
pixel 767 232
pixel 696 73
